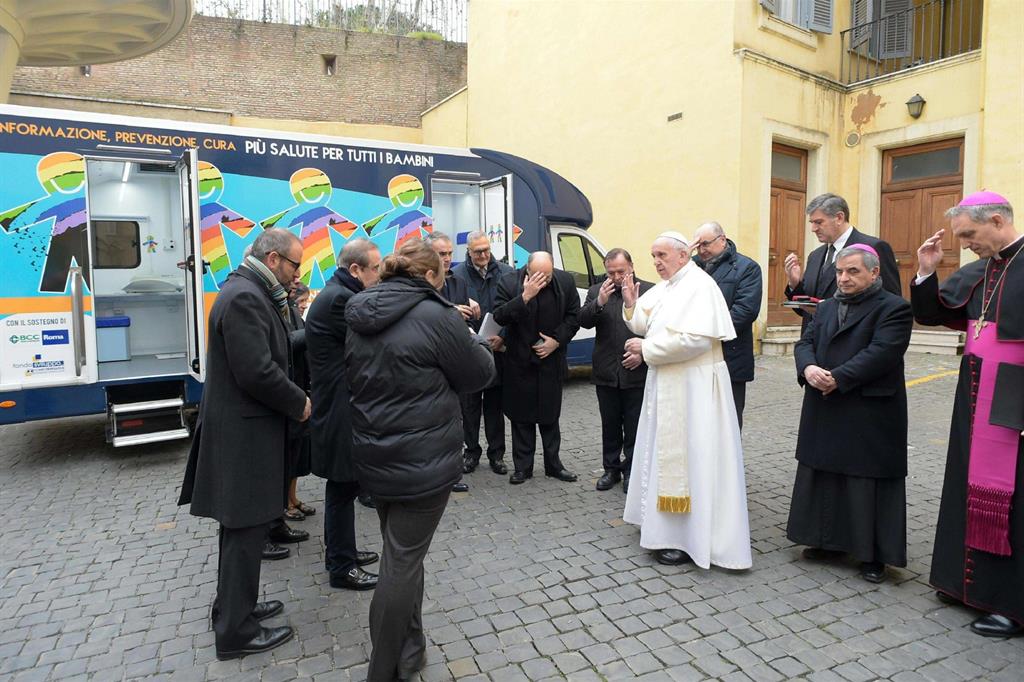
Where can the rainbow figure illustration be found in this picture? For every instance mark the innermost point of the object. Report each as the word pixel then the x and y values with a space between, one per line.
pixel 215 217
pixel 406 194
pixel 62 176
pixel 313 221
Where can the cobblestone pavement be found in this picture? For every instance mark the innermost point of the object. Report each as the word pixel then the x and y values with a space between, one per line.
pixel 104 578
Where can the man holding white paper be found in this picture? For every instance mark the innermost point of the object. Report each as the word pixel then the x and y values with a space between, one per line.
pixel 480 273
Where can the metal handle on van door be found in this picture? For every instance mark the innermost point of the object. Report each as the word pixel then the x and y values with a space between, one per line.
pixel 78 318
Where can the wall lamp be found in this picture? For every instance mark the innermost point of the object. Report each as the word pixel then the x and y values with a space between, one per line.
pixel 86 70
pixel 915 105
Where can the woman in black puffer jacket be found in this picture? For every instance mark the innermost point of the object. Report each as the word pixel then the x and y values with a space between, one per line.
pixel 408 356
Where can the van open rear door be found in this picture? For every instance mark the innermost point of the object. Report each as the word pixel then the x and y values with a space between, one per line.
pixel 496 216
pixel 195 310
pixel 464 205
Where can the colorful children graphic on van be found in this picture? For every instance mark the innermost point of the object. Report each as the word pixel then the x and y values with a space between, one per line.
pixel 62 175
pixel 215 217
pixel 406 194
pixel 313 221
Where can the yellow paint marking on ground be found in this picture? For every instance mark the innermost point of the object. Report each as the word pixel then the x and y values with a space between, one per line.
pixel 932 377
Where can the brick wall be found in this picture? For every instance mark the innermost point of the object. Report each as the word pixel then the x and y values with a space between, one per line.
pixel 275 71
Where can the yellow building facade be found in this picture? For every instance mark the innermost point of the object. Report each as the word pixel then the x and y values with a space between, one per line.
pixel 669 113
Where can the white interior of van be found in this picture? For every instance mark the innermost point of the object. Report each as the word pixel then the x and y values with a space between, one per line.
pixel 136 224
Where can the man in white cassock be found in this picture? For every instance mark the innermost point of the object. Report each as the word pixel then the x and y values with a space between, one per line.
pixel 687 490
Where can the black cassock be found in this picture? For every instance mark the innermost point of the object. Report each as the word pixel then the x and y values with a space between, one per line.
pixel 986 581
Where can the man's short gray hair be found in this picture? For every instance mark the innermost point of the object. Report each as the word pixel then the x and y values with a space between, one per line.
pixel 357 251
pixel 437 236
pixel 273 240
pixel 829 204
pixel 478 234
pixel 869 259
pixel 714 226
pixel 982 213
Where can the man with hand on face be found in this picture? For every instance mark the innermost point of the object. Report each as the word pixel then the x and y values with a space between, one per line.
pixel 331 427
pixel 455 291
pixel 850 491
pixel 236 471
pixel 480 273
pixel 829 216
pixel 538 306
pixel 618 377
pixel 688 433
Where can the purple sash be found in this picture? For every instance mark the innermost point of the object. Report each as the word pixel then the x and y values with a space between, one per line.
pixel 992 469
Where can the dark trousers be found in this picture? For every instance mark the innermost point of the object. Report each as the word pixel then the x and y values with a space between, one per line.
pixel 340 527
pixel 238 585
pixel 71 244
pixel 487 402
pixel 524 445
pixel 620 413
pixel 396 625
pixel 739 396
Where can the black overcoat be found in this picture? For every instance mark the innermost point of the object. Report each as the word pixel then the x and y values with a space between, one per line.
pixel 825 287
pixel 408 356
pixel 610 340
pixel 331 422
pixel 237 467
pixel 739 278
pixel 860 429
pixel 531 387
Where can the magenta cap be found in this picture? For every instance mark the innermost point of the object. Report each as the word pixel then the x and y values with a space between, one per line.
pixel 983 197
pixel 864 247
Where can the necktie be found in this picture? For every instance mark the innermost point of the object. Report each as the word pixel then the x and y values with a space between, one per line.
pixel 827 271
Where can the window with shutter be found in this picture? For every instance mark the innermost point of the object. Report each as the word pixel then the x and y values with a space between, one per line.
pixel 897 29
pixel 820 18
pixel 815 15
pixel 863 13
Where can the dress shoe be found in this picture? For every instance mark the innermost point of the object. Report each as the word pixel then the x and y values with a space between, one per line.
pixel 469 464
pixel 947 598
pixel 518 477
pixel 562 475
pixel 284 534
pixel 819 554
pixel 355 579
pixel 992 625
pixel 266 609
pixel 367 501
pixel 872 571
pixel 460 487
pixel 418 664
pixel 625 483
pixel 672 557
pixel 272 552
pixel 265 640
pixel 498 467
pixel 608 480
pixel 366 558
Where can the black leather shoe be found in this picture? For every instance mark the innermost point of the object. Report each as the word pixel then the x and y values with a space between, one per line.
pixel 460 487
pixel 872 571
pixel 355 579
pixel 518 477
pixel 946 598
pixel 991 625
pixel 265 640
pixel 498 467
pixel 625 483
pixel 272 552
pixel 366 558
pixel 672 557
pixel 469 465
pixel 819 554
pixel 284 534
pixel 367 501
pixel 608 480
pixel 266 609
pixel 562 475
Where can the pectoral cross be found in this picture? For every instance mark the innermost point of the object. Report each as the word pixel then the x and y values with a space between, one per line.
pixel 979 324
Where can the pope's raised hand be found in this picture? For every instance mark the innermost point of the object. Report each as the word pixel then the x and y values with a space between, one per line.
pixel 929 254
pixel 630 291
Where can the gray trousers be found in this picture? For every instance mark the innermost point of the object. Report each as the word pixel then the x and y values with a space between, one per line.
pixel 396 626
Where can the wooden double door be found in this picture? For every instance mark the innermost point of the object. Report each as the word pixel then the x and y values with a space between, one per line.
pixel 919 184
pixel 787 226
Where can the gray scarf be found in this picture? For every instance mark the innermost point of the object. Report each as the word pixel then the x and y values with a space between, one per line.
pixel 846 300
pixel 277 291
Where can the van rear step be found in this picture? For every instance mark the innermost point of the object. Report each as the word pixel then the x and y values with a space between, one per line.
pixel 146 413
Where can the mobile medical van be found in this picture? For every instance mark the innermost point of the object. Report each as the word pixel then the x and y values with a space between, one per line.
pixel 116 234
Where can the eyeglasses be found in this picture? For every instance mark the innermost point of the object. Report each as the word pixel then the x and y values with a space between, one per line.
pixel 480 252
pixel 709 242
pixel 281 255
